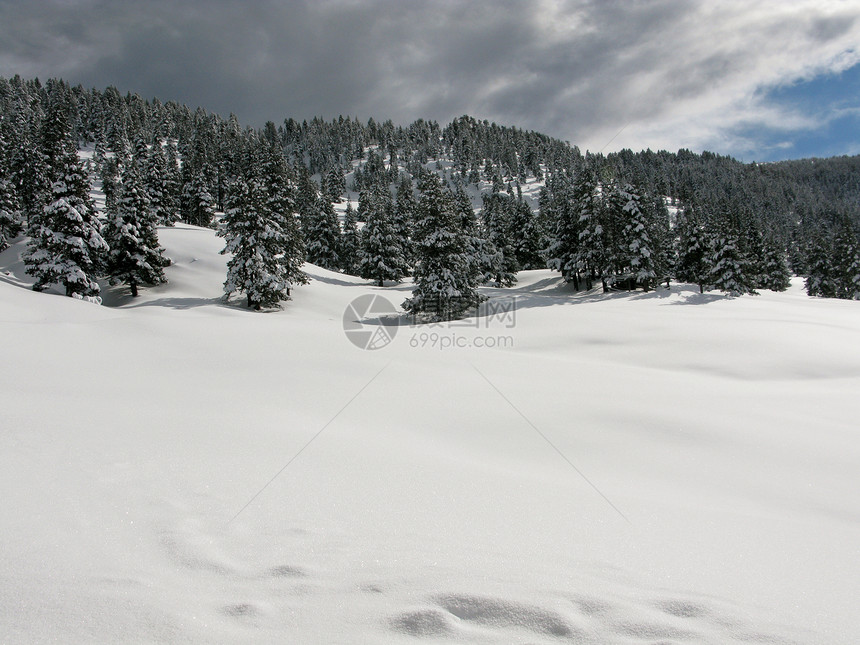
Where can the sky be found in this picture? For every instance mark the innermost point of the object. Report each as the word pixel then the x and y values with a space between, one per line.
pixel 775 79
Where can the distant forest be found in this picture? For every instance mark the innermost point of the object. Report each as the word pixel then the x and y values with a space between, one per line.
pixel 622 220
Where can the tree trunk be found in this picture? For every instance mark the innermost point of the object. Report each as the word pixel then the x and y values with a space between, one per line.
pixel 133 286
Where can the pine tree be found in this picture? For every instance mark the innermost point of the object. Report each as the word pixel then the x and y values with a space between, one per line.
pixel 382 256
pixel 172 180
pixel 819 278
pixel 638 253
pixel 753 249
pixel 594 251
pixel 852 276
pixel 198 203
pixel 306 198
pixel 158 185
pixel 527 237
pixel 262 234
pixel 497 221
pixel 404 216
pixel 31 179
pixel 109 171
pixel 279 184
pixel 135 257
pixel 484 260
pixel 775 273
pixel 335 185
pixel 10 208
pixel 66 246
pixel 55 137
pixel 445 288
pixel 557 209
pixel 846 262
pixel 10 224
pixel 694 251
pixel 350 241
pixel 323 236
pixel 729 267
pixel 664 238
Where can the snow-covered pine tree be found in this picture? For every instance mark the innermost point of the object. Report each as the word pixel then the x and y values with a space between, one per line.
pixel 322 235
pixel 496 222
pixel 729 266
pixel 776 275
pixel 157 184
pixel 262 234
pixel 445 287
pixel 279 183
pixel 30 176
pixel 752 246
pixel 852 277
pixel 10 223
pixel 594 251
pixel 10 207
pixel 846 261
pixel 109 170
pixel 404 216
pixel 56 138
pixel 139 151
pixel 663 236
pixel 172 178
pixel 819 277
pixel 484 260
pixel 694 250
pixel 66 245
pixel 198 195
pixel 350 241
pixel 135 257
pixel 382 254
pixel 637 247
pixel 557 209
pixel 527 241
pixel 306 197
pixel 335 184
pixel 198 203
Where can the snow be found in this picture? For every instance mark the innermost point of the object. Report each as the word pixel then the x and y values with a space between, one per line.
pixel 624 468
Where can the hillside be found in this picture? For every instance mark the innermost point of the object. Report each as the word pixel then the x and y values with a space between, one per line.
pixel 623 468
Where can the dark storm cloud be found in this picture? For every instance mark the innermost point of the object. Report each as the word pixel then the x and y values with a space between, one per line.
pixel 670 72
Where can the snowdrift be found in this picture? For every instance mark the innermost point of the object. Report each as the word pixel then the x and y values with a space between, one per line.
pixel 563 467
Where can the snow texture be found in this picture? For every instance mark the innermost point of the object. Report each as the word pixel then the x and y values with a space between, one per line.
pixel 669 467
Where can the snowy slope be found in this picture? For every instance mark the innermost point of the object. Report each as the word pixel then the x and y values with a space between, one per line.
pixel 634 468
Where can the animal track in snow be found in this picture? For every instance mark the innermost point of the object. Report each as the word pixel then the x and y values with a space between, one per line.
pixel 589 620
pixel 241 610
pixel 505 613
pixel 423 622
pixel 286 571
pixel 683 609
pixel 191 555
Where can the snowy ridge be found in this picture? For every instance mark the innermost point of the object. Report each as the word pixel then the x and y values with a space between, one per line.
pixel 662 467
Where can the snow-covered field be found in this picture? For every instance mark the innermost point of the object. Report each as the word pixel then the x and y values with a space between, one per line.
pixel 633 468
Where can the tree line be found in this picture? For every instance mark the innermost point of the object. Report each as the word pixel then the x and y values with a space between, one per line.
pixel 625 220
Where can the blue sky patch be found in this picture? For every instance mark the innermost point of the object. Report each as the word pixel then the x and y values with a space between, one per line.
pixel 834 99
